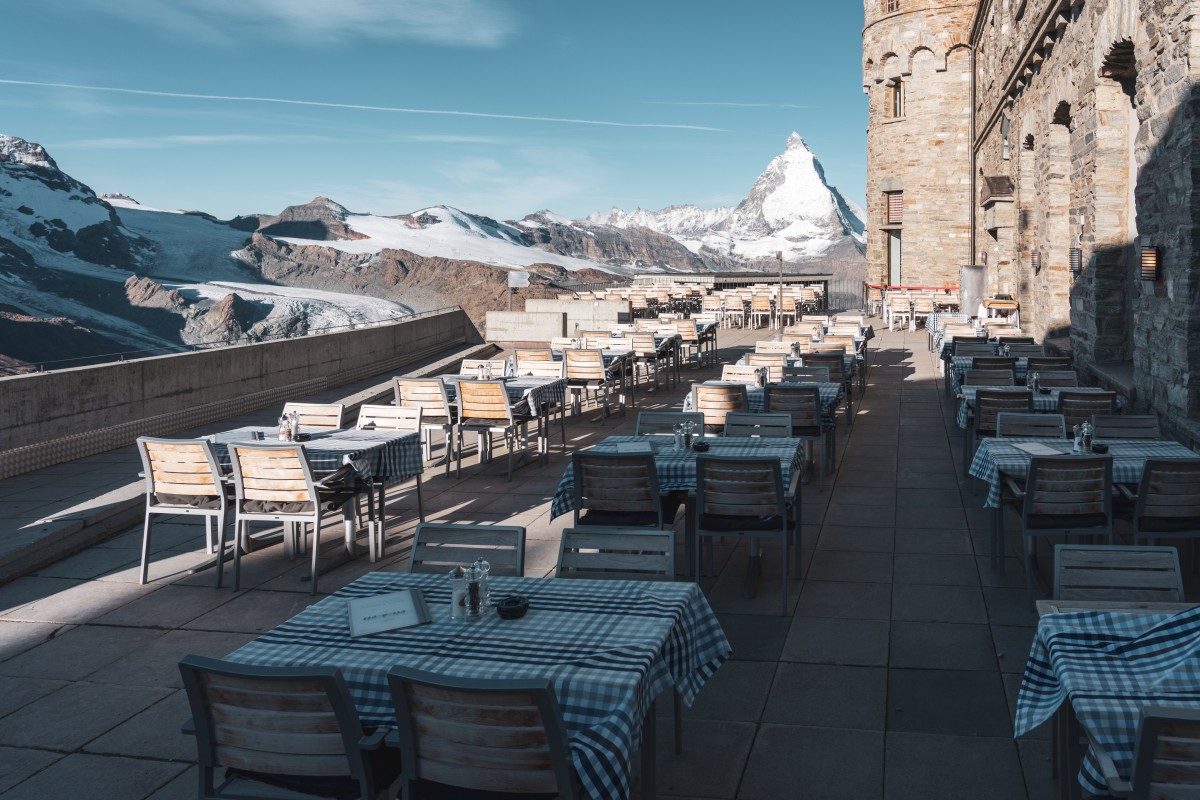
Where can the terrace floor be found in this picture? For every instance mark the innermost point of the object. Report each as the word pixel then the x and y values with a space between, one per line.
pixel 894 675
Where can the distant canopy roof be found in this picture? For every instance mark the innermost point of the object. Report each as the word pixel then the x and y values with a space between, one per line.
pixel 999 187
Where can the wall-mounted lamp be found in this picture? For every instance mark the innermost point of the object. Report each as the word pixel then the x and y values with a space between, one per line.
pixel 1075 260
pixel 1035 261
pixel 1149 260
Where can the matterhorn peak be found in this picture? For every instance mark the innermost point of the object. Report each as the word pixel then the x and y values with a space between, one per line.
pixel 795 142
pixel 19 151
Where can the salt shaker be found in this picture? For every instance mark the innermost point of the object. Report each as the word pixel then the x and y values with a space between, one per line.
pixel 458 593
pixel 1087 436
pixel 688 427
pixel 285 429
pixel 294 424
pixel 678 431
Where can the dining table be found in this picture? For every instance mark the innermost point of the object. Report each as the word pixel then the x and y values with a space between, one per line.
pixel 1104 667
pixel 609 648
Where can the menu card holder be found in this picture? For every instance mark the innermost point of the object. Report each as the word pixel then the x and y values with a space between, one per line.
pixel 387 612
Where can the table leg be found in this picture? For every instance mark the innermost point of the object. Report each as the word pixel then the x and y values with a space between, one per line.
pixel 753 571
pixel 649 753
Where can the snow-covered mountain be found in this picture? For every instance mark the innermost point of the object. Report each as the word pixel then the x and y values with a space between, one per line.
pixel 791 208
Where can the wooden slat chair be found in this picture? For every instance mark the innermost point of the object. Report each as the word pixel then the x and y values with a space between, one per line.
pixel 781 347
pixel 803 405
pixel 741 373
pixel 553 370
pixel 774 362
pixel 692 347
pixel 851 330
pixel 747 423
pixel 533 354
pixel 1120 573
pixel 989 377
pixel 714 402
pixel 484 409
pixel 662 423
pixel 836 364
pixel 617 553
pixel 922 308
pixel 184 478
pixel 586 374
pixel 874 301
pixel 273 483
pixel 786 309
pixel 645 354
pixel 899 310
pixel 1027 350
pixel 988 405
pixel 596 340
pixel 317 416
pixel 994 362
pixel 1063 496
pixel 439 547
pixel 816 319
pixel 744 497
pixel 1016 424
pixel 429 394
pixel 482 736
pixel 847 343
pixel 1166 757
pixel 1125 426
pixel 972 347
pixel 1167 504
pixel 388 418
pixel 1048 363
pixel 760 308
pixel 1014 340
pixel 621 490
pixel 279 731
pixel 1058 379
pixel 806 375
pixel 470 366
pixel 565 343
pixel 1080 407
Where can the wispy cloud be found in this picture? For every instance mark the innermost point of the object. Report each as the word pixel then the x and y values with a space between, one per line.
pixel 722 104
pixel 191 140
pixel 360 107
pixel 465 23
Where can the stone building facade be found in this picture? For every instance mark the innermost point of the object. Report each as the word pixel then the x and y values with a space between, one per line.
pixel 1081 142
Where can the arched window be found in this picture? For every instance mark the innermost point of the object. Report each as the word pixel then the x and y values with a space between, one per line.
pixel 896 97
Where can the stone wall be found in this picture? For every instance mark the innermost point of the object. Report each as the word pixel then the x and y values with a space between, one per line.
pixel 925 153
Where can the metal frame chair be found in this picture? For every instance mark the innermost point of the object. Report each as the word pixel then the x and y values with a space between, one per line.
pixel 1015 424
pixel 484 409
pixel 749 423
pixel 183 477
pixel 388 418
pixel 318 416
pixel 806 375
pixel 1120 573
pixel 438 547
pixel 1164 757
pixel 284 729
pixel 586 372
pixel 988 406
pixel 1125 426
pixel 616 553
pixel 803 405
pixel 619 489
pixel 715 401
pixel 430 395
pixel 662 423
pixel 1167 504
pixel 1080 407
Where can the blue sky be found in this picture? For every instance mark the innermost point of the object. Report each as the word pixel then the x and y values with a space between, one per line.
pixel 575 107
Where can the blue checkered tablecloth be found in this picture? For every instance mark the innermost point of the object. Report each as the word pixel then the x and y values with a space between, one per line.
pixel 995 456
pixel 831 397
pixel 677 468
pixel 524 392
pixel 608 647
pixel 1045 403
pixel 394 456
pixel 1110 666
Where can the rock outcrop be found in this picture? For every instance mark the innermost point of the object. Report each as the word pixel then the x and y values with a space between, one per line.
pixel 149 293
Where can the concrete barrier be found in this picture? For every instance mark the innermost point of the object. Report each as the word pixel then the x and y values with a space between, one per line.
pixel 505 327
pixel 584 315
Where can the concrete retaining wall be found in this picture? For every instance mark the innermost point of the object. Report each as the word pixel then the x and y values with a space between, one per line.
pixel 525 326
pixel 584 315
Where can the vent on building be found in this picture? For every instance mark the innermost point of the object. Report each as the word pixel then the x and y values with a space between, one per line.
pixel 895 207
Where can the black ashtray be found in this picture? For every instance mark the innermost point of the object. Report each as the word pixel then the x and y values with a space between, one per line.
pixel 1099 449
pixel 303 437
pixel 1044 389
pixel 700 446
pixel 513 607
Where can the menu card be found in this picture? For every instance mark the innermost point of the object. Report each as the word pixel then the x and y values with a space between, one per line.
pixel 387 612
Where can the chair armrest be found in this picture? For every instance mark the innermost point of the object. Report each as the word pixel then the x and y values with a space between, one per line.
pixel 1016 490
pixel 1116 784
pixel 188 728
pixel 374 740
pixel 1124 491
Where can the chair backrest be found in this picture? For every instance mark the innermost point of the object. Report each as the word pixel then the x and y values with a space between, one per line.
pixel 1014 340
pixel 780 347
pixel 428 394
pixel 744 488
pixel 714 402
pixel 617 553
pixel 1069 493
pixel 272 478
pixel 1080 407
pixel 596 340
pixel 470 366
pixel 972 347
pixel 439 547
pixel 1125 426
pixel 662 423
pixel 850 330
pixel 542 369
pixel 317 416
pixel 1059 378
pixel 1011 423
pixel 801 341
pixel 1168 500
pixel 1026 350
pixel 181 472
pixel 820 319
pixel 531 354
pixel 1134 573
pixel 760 303
pixel 287 721
pixel 834 362
pixel 847 342
pixel 806 374
pixel 483 400
pixel 642 343
pixel 774 362
pixel 584 365
pixel 624 482
pixel 989 377
pixel 740 373
pixel 687 329
pixel 1166 756
pixel 989 404
pixel 1043 363
pixel 482 735
pixel 801 403
pixel 747 423
pixel 389 418
pixel 994 362
pixel 564 343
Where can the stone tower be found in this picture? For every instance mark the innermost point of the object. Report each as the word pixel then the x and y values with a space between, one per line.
pixel 917 78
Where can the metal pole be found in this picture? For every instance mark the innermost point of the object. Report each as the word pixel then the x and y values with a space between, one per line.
pixel 779 304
